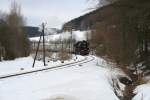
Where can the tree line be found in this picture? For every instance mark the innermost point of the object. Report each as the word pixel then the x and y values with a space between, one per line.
pixel 13 40
pixel 124 35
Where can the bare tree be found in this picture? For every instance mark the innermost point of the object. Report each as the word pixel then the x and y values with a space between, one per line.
pixel 14 39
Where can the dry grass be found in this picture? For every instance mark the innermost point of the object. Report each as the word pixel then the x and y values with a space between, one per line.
pixel 40 54
pixel 64 56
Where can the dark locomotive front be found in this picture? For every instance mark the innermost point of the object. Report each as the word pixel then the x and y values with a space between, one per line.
pixel 82 48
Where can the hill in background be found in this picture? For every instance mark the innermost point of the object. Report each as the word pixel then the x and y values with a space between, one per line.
pixel 109 13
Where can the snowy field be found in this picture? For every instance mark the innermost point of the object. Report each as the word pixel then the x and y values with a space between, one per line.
pixel 142 92
pixel 77 35
pixel 88 81
pixel 16 66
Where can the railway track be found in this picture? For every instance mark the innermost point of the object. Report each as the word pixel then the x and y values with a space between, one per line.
pixel 86 60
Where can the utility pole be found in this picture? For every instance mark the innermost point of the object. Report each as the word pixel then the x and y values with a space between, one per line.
pixel 71 40
pixel 43 33
pixel 37 50
pixel 69 29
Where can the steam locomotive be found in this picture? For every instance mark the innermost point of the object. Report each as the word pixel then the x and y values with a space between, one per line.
pixel 82 48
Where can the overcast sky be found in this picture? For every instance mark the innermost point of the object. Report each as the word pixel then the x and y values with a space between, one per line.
pixel 54 12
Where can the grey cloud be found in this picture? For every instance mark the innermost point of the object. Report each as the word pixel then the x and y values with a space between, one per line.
pixel 54 12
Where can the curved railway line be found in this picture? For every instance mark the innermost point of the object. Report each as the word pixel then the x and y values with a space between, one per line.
pixel 86 60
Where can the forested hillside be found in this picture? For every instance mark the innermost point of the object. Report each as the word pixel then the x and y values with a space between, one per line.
pixel 122 29
pixel 31 31
pixel 84 22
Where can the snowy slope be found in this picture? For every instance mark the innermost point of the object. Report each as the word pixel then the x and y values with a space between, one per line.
pixel 77 35
pixel 16 66
pixel 81 82
pixel 142 92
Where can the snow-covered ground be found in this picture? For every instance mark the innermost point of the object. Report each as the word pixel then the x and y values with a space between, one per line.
pixel 89 81
pixel 142 92
pixel 77 35
pixel 25 64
